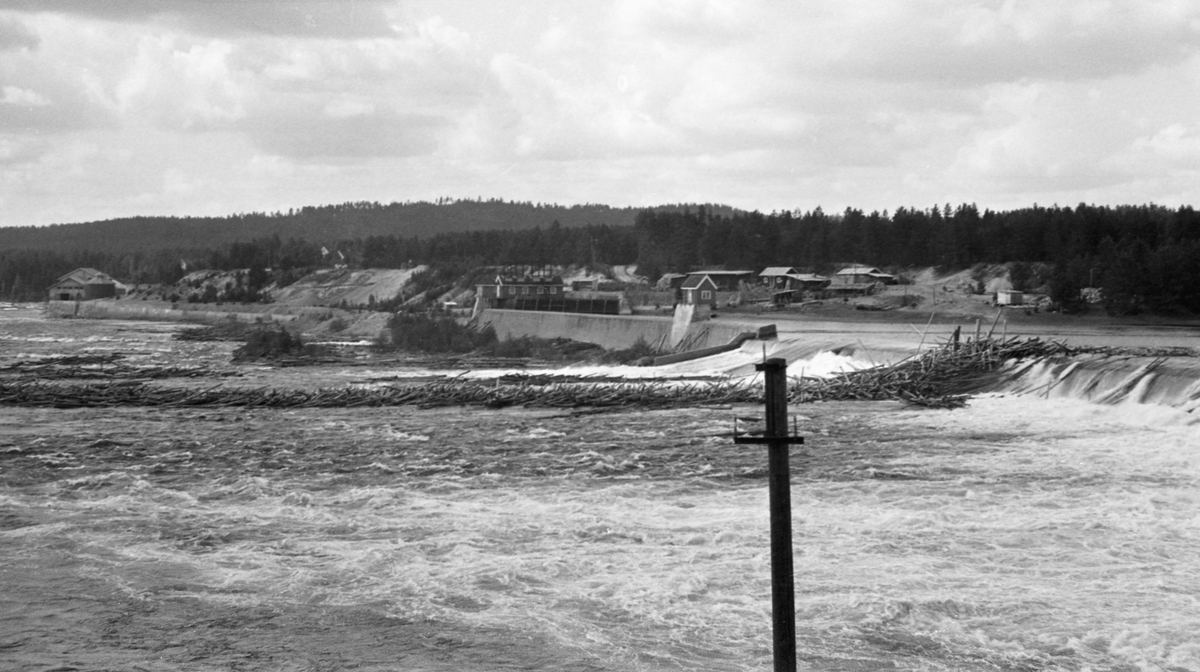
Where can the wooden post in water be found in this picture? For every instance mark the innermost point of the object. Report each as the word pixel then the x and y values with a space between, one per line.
pixel 783 591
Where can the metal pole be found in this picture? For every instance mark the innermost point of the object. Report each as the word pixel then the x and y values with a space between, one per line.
pixel 783 591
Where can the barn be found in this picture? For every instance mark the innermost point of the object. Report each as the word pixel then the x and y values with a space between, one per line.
pixel 83 284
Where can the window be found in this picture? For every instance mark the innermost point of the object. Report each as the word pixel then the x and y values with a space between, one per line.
pixel 553 290
pixel 541 290
pixel 706 294
pixel 512 290
pixel 525 289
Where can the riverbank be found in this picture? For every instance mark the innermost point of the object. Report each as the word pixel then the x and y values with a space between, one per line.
pixel 879 336
pixel 310 320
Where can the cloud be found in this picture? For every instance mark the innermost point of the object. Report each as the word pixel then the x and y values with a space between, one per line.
pixel 20 151
pixel 1175 145
pixel 12 95
pixel 398 97
pixel 178 83
pixel 706 21
pixel 53 103
pixel 1057 141
pixel 311 18
pixel 366 98
pixel 760 103
pixel 556 118
pixel 15 35
pixel 985 43
pixel 317 135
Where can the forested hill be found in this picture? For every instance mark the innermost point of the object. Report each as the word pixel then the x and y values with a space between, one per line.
pixel 320 224
pixel 1142 257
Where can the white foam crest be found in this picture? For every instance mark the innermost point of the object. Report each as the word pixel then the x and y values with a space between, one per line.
pixel 825 364
pixel 1145 381
pixel 626 371
pixel 735 364
pixel 814 360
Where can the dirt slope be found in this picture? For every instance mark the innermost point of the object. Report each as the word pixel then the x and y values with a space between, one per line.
pixel 330 287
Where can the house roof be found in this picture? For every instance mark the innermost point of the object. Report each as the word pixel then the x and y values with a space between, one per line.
pixel 807 277
pixel 778 270
pixel 529 280
pixel 726 273
pixel 695 280
pixel 861 270
pixel 86 276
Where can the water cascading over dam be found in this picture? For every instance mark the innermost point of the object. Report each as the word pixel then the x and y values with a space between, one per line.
pixel 1162 381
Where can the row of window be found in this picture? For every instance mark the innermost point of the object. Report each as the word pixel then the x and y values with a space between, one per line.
pixel 540 290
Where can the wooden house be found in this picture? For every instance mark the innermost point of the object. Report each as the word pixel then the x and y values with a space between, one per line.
pixel 727 281
pixel 789 287
pixel 504 288
pixel 83 284
pixel 807 281
pixel 776 277
pixel 699 289
pixel 787 278
pixel 863 275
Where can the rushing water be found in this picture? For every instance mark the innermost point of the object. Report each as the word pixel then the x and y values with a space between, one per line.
pixel 1027 531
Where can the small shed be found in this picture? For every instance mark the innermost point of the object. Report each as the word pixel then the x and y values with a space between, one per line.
pixel 699 289
pixel 83 284
pixel 1009 297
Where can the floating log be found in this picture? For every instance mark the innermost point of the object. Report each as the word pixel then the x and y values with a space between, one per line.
pixel 941 378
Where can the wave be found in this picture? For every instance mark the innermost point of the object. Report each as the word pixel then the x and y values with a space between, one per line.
pixel 1162 381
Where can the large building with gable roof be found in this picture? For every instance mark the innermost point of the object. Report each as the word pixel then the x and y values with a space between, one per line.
pixel 84 284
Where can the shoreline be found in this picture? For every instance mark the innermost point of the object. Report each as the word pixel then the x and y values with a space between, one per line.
pixel 895 332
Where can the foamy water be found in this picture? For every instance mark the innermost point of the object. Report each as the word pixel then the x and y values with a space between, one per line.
pixel 1026 531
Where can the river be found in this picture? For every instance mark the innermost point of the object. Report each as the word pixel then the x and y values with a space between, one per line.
pixel 1027 531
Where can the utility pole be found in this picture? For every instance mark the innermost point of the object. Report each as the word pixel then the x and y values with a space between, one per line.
pixel 783 590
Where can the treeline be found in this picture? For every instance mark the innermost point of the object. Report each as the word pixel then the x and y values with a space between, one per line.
pixel 1144 256
pixel 552 245
pixel 1140 257
pixel 319 224
pixel 25 275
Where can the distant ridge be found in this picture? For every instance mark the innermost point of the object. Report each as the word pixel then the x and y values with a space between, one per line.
pixel 327 223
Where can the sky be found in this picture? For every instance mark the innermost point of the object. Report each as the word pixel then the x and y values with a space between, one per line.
pixel 114 108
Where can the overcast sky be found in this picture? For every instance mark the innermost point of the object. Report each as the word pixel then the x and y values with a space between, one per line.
pixel 211 107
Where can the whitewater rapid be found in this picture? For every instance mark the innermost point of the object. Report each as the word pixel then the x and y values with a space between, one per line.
pixel 1034 529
